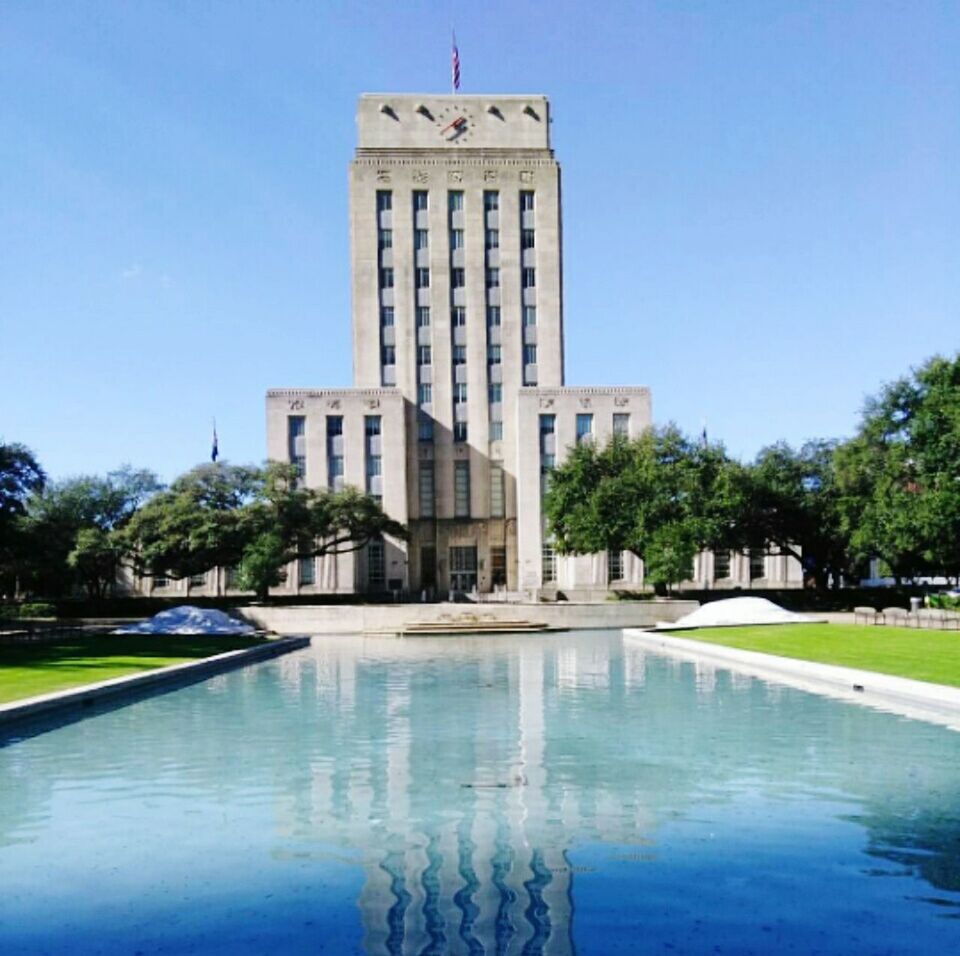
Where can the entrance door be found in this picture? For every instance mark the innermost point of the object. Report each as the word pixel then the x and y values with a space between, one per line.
pixel 463 570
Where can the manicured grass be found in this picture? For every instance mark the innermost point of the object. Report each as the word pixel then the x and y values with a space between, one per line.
pixel 904 652
pixel 30 669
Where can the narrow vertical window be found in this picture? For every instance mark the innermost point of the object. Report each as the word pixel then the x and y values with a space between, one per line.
pixel 461 489
pixel 297 443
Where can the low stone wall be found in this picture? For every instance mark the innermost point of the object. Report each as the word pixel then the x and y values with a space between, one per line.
pixel 86 694
pixel 391 618
pixel 935 703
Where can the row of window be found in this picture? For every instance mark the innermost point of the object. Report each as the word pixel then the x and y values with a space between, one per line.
pixel 461 489
pixel 296 450
pixel 458 278
pixel 491 200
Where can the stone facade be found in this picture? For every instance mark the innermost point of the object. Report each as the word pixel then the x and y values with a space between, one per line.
pixel 457 317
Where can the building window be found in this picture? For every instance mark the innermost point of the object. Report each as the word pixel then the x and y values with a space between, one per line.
pixel 529 315
pixel 376 566
pixel 384 200
pixel 419 200
pixel 456 238
pixel 494 354
pixel 198 580
pixel 493 278
pixel 495 392
pixel 161 581
pixel 527 238
pixel 491 201
pixel 385 239
pixel 386 278
pixel 529 355
pixel 496 490
pixel 423 278
pixel 498 565
pixel 621 425
pixel 455 201
pixel 424 427
pixel 373 461
pixel 614 566
pixel 493 315
pixel 548 563
pixel 386 316
pixel 231 574
pixel 528 277
pixel 427 498
pixel 296 443
pixel 458 316
pixel 721 565
pixel 496 431
pixel 459 392
pixel 493 239
pixel 307 571
pixel 459 355
pixel 335 452
pixel 461 489
pixel 420 238
pixel 428 567
pixel 424 393
pixel 584 428
pixel 388 354
pixel 424 355
pixel 526 201
pixel 548 450
pixel 757 564
pixel 459 431
pixel 457 278
pixel 423 317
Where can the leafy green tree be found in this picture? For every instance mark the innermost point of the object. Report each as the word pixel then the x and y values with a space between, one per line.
pixel 899 477
pixel 20 477
pixel 255 519
pixel 661 496
pixel 56 516
pixel 789 503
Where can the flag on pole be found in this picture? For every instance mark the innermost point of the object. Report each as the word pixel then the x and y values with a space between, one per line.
pixel 455 66
pixel 214 450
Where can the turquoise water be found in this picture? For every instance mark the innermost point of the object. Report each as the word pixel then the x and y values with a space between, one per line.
pixel 537 794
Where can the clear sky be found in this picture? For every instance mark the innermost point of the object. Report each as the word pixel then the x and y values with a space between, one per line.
pixel 761 204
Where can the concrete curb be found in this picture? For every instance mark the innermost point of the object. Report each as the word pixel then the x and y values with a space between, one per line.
pixel 920 700
pixel 45 704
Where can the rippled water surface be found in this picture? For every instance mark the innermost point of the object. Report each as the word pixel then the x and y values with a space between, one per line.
pixel 533 794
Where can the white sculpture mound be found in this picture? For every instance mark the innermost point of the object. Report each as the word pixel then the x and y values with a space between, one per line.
pixel 739 611
pixel 188 620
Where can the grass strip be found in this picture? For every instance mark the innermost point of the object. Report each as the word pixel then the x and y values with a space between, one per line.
pixel 30 669
pixel 927 655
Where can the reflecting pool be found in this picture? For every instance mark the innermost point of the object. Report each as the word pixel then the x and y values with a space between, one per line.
pixel 530 794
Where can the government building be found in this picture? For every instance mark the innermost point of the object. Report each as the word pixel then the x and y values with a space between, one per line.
pixel 460 406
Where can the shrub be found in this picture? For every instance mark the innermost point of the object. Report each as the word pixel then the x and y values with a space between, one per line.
pixel 28 610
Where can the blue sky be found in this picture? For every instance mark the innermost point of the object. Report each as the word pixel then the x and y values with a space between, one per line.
pixel 761 205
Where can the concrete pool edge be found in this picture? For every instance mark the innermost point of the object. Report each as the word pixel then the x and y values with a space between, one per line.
pixel 920 700
pixel 43 705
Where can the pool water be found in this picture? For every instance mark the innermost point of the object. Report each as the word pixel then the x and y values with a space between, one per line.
pixel 529 794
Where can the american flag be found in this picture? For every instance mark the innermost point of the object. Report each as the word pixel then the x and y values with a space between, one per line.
pixel 455 65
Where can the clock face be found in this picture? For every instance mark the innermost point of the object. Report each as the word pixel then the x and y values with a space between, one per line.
pixel 454 125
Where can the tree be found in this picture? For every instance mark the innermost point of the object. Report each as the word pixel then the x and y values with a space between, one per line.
pixel 899 477
pixel 56 517
pixel 256 519
pixel 789 504
pixel 661 496
pixel 20 477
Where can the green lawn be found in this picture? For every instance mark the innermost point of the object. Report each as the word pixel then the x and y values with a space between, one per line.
pixel 905 652
pixel 27 670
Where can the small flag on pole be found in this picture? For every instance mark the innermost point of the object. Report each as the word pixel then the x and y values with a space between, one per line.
pixel 455 66
pixel 214 450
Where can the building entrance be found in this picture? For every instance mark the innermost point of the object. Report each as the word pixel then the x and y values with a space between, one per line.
pixel 463 570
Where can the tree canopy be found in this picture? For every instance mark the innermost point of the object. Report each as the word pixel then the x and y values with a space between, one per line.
pixel 256 520
pixel 661 496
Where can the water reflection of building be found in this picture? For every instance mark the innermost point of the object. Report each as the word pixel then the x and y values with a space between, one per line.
pixel 483 861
